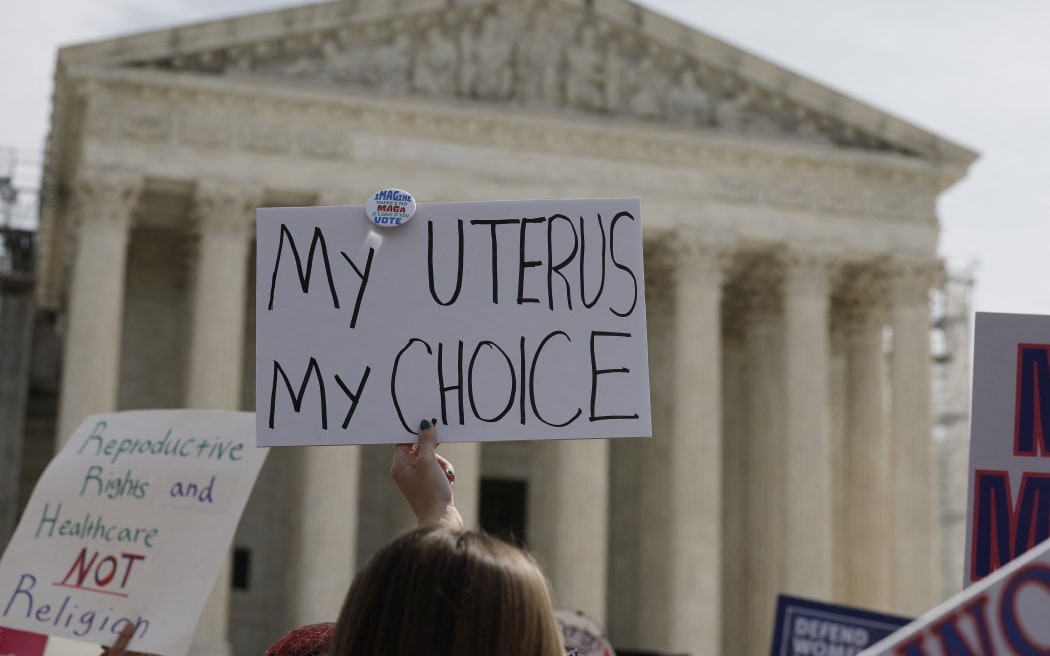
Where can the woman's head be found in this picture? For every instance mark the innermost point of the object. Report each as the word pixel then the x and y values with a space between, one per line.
pixel 441 592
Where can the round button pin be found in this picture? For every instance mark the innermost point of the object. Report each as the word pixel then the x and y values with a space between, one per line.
pixel 389 208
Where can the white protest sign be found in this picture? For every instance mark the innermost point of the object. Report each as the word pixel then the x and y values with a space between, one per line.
pixel 1005 613
pixel 503 320
pixel 1009 499
pixel 130 523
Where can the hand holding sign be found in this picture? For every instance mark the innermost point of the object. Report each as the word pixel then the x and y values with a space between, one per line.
pixel 120 646
pixel 425 479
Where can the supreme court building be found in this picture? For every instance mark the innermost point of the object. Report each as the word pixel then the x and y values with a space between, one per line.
pixel 790 244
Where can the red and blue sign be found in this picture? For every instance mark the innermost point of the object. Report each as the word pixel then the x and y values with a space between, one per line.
pixel 1009 504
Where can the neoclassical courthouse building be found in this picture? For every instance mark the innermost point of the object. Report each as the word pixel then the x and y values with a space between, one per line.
pixel 790 245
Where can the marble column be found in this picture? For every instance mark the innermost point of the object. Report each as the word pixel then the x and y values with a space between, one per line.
pixel 913 471
pixel 808 517
pixel 866 531
pixel 322 548
pixel 759 291
pixel 223 221
pixel 735 585
pixel 694 550
pixel 650 621
pixel 103 205
pixel 568 510
pixel 838 376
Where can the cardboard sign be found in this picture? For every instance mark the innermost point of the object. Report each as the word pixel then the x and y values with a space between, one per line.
pixel 805 628
pixel 1009 500
pixel 502 320
pixel 1003 614
pixel 130 523
pixel 21 643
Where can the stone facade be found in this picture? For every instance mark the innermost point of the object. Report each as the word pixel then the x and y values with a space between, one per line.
pixel 786 227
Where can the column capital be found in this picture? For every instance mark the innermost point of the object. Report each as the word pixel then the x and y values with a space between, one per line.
pixel 757 288
pixel 226 206
pixel 861 297
pixel 106 197
pixel 808 272
pixel 694 256
pixel 912 279
pixel 659 268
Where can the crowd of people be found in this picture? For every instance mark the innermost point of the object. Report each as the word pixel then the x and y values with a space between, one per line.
pixel 438 590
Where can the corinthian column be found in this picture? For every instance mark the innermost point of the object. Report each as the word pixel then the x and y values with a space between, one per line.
pixel 694 550
pixel 758 292
pixel 650 585
pixel 866 534
pixel 807 520
pixel 735 585
pixel 223 219
pixel 914 516
pixel 103 207
pixel 569 506
pixel 224 222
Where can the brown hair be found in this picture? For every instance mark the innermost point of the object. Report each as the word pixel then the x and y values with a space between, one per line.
pixel 442 592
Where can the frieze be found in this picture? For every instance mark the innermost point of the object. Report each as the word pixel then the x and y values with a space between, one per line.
pixel 243 119
pixel 535 54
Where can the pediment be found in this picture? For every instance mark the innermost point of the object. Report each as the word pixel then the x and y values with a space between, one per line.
pixel 616 59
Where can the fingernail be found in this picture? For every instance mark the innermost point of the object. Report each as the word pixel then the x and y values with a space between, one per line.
pixel 423 425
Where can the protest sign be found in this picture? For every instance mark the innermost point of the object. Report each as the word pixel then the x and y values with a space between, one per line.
pixel 130 523
pixel 1003 614
pixel 1009 499
pixel 503 320
pixel 811 628
pixel 21 643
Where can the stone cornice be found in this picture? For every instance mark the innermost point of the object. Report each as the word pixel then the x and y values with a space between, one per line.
pixel 723 69
pixel 201 112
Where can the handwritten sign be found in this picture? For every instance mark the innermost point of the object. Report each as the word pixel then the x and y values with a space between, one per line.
pixel 130 523
pixel 1009 500
pixel 805 627
pixel 503 320
pixel 1003 614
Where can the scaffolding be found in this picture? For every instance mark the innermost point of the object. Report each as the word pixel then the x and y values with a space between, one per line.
pixel 20 172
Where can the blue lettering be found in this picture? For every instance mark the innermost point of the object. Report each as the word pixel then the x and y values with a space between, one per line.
pixel 952 641
pixel 22 591
pixel 1015 635
pixel 1002 531
pixel 1032 426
